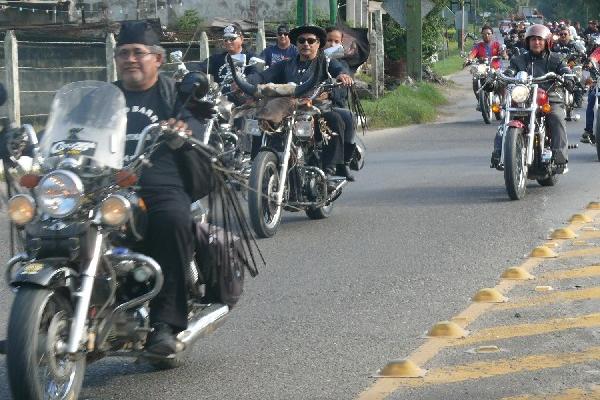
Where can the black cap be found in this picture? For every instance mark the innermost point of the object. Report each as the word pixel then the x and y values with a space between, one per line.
pixel 232 31
pixel 139 32
pixel 283 29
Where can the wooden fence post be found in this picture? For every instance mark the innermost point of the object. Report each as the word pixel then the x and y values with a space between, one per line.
pixel 261 40
pixel 111 65
pixel 377 54
pixel 204 48
pixel 11 58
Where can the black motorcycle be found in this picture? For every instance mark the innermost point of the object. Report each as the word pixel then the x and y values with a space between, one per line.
pixel 82 287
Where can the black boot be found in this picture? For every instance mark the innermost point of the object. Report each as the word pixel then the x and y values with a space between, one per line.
pixel 162 341
pixel 344 170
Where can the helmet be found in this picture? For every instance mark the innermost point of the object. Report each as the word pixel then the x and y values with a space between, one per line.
pixel 540 31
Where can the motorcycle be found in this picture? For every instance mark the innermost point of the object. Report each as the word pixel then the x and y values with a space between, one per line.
pixel 82 288
pixel 489 98
pixel 594 69
pixel 287 173
pixel 525 152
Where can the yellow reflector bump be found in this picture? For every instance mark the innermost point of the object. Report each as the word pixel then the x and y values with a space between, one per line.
pixel 543 252
pixel 447 329
pixel 517 274
pixel 580 218
pixel 594 205
pixel 489 295
pixel 563 233
pixel 404 368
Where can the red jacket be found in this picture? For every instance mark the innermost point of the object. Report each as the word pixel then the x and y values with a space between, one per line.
pixel 478 51
pixel 595 55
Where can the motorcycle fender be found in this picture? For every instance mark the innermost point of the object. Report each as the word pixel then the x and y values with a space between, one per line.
pixel 516 124
pixel 279 155
pixel 45 273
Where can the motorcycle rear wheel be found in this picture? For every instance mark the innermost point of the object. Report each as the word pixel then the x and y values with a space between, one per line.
pixel 39 318
pixel 484 105
pixel 265 215
pixel 515 170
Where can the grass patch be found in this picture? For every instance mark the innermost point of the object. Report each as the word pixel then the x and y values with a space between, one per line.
pixel 405 105
pixel 453 62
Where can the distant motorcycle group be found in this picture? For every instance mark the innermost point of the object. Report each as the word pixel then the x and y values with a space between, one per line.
pixel 546 73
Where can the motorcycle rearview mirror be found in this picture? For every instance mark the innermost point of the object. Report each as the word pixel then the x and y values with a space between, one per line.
pixel 335 52
pixel 194 85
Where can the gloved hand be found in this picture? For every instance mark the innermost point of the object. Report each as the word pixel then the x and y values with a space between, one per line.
pixel 13 143
pixel 174 132
pixel 569 84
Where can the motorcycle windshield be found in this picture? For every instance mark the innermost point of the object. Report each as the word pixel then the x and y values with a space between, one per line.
pixel 87 120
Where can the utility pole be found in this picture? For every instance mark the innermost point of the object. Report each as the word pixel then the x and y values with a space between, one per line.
pixel 462 25
pixel 414 45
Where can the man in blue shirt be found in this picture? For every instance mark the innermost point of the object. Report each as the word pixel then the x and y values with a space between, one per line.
pixel 283 50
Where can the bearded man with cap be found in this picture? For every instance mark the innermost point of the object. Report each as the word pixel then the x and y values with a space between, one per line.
pixel 151 97
pixel 233 42
pixel 310 40
pixel 283 50
pixel 538 61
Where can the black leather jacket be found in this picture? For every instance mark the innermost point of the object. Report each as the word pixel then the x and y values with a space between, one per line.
pixel 540 65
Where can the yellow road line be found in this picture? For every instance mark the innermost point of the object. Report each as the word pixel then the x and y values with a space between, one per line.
pixel 383 387
pixel 513 331
pixel 481 369
pixel 551 298
pixel 585 272
pixel 569 394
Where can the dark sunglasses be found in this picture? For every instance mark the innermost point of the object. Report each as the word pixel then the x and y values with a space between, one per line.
pixel 229 39
pixel 307 40
pixel 283 34
pixel 563 34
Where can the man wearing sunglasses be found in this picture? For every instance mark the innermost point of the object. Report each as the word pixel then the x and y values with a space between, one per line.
pixel 233 42
pixel 164 184
pixel 283 50
pixel 310 40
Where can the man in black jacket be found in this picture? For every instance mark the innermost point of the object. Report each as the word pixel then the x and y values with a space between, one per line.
pixel 164 185
pixel 310 40
pixel 539 61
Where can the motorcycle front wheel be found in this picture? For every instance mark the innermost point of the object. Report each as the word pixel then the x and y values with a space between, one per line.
pixel 515 169
pixel 265 214
pixel 38 327
pixel 485 106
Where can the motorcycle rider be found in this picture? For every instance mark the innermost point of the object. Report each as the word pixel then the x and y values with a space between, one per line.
pixel 565 44
pixel 283 50
pixel 215 65
pixel 485 50
pixel 310 41
pixel 588 134
pixel 150 98
pixel 538 61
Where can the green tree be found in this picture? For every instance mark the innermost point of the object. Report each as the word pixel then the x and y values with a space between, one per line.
pixel 189 21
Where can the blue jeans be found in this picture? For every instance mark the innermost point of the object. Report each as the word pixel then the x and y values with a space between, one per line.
pixel 589 112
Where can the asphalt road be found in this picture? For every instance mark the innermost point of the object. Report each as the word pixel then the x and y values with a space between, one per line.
pixel 425 225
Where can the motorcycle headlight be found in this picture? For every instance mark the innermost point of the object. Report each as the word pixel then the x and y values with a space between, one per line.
pixel 519 93
pixel 115 210
pixel 21 209
pixel 59 193
pixel 482 69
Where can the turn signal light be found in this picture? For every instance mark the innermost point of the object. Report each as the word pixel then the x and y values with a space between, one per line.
pixel 496 108
pixel 547 108
pixel 29 181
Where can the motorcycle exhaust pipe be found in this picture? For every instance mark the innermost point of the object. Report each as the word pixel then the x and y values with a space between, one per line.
pixel 204 323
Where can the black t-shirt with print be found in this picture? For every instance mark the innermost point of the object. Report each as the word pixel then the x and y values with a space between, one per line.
pixel 144 108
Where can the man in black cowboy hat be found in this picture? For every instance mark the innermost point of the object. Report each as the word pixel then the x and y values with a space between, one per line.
pixel 310 40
